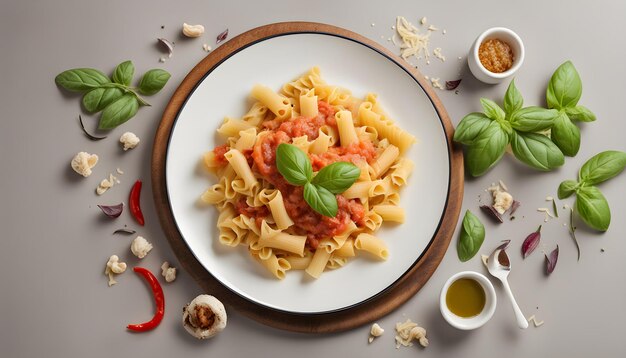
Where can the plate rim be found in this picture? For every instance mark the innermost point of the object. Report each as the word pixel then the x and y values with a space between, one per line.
pixel 345 318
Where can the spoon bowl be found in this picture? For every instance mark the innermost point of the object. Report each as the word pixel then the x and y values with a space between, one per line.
pixel 499 266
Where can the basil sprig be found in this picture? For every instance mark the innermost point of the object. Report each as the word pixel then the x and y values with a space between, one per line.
pixel 591 204
pixel 319 191
pixel 471 238
pixel 563 93
pixel 117 100
pixel 488 134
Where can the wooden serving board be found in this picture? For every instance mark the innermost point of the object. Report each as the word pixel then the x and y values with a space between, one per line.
pixel 366 312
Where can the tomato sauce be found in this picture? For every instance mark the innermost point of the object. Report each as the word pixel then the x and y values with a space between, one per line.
pixel 258 213
pixel 263 158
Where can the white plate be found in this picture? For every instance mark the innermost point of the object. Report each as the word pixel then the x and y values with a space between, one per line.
pixel 272 62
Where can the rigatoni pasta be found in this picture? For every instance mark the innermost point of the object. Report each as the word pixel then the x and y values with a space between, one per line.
pixel 261 211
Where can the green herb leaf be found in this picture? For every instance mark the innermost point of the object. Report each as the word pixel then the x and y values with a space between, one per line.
pixel 81 79
pixel 537 151
pixel 566 135
pixel 487 149
pixel 471 238
pixel 602 166
pixel 97 99
pixel 118 112
pixel 567 188
pixel 153 81
pixel 293 164
pixel 593 208
pixel 533 119
pixel 337 177
pixel 513 100
pixel 492 110
pixel 580 113
pixel 470 127
pixel 320 200
pixel 124 73
pixel 565 87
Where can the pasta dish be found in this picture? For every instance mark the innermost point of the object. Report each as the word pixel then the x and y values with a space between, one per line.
pixel 261 210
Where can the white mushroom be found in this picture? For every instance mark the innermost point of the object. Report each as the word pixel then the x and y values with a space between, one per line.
pixel 204 317
pixel 114 267
pixel 83 162
pixel 140 247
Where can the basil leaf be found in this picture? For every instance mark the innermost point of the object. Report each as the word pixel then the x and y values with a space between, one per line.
pixel 492 110
pixel 567 188
pixel 81 79
pixel 593 208
pixel 536 150
pixel 118 112
pixel 293 164
pixel 602 166
pixel 565 87
pixel 96 99
pixel 153 81
pixel 320 200
pixel 487 149
pixel 470 127
pixel 580 113
pixel 513 100
pixel 566 135
pixel 471 238
pixel 124 73
pixel 337 177
pixel 533 119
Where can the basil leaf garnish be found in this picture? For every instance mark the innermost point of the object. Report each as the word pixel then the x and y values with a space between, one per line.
pixel 566 135
pixel 513 100
pixel 533 119
pixel 153 81
pixel 471 237
pixel 602 166
pixel 337 177
pixel 97 99
pixel 487 149
pixel 593 208
pixel 293 164
pixel 470 127
pixel 492 110
pixel 565 87
pixel 124 73
pixel 537 151
pixel 118 112
pixel 320 200
pixel 567 188
pixel 580 113
pixel 81 79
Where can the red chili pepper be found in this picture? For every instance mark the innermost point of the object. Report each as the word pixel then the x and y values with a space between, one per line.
pixel 159 299
pixel 134 203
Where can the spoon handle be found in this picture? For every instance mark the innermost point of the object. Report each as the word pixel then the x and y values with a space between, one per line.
pixel 521 320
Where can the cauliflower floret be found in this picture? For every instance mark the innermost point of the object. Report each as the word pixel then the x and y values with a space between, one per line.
pixel 140 247
pixel 204 317
pixel 83 162
pixel 169 273
pixel 129 140
pixel 114 267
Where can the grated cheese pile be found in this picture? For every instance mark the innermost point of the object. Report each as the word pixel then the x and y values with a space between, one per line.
pixel 413 43
pixel 407 331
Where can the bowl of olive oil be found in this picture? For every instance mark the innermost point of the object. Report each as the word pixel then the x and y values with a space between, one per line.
pixel 468 300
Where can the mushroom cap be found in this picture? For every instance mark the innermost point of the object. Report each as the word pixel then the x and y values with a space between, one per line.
pixel 189 313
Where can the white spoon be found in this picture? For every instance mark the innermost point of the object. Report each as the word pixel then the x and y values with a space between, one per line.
pixel 499 266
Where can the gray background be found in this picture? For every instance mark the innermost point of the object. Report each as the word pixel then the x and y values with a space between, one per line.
pixel 54 300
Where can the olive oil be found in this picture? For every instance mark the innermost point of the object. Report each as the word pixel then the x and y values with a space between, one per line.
pixel 465 298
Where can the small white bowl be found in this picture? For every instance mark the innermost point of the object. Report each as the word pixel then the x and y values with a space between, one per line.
pixel 482 317
pixel 507 35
